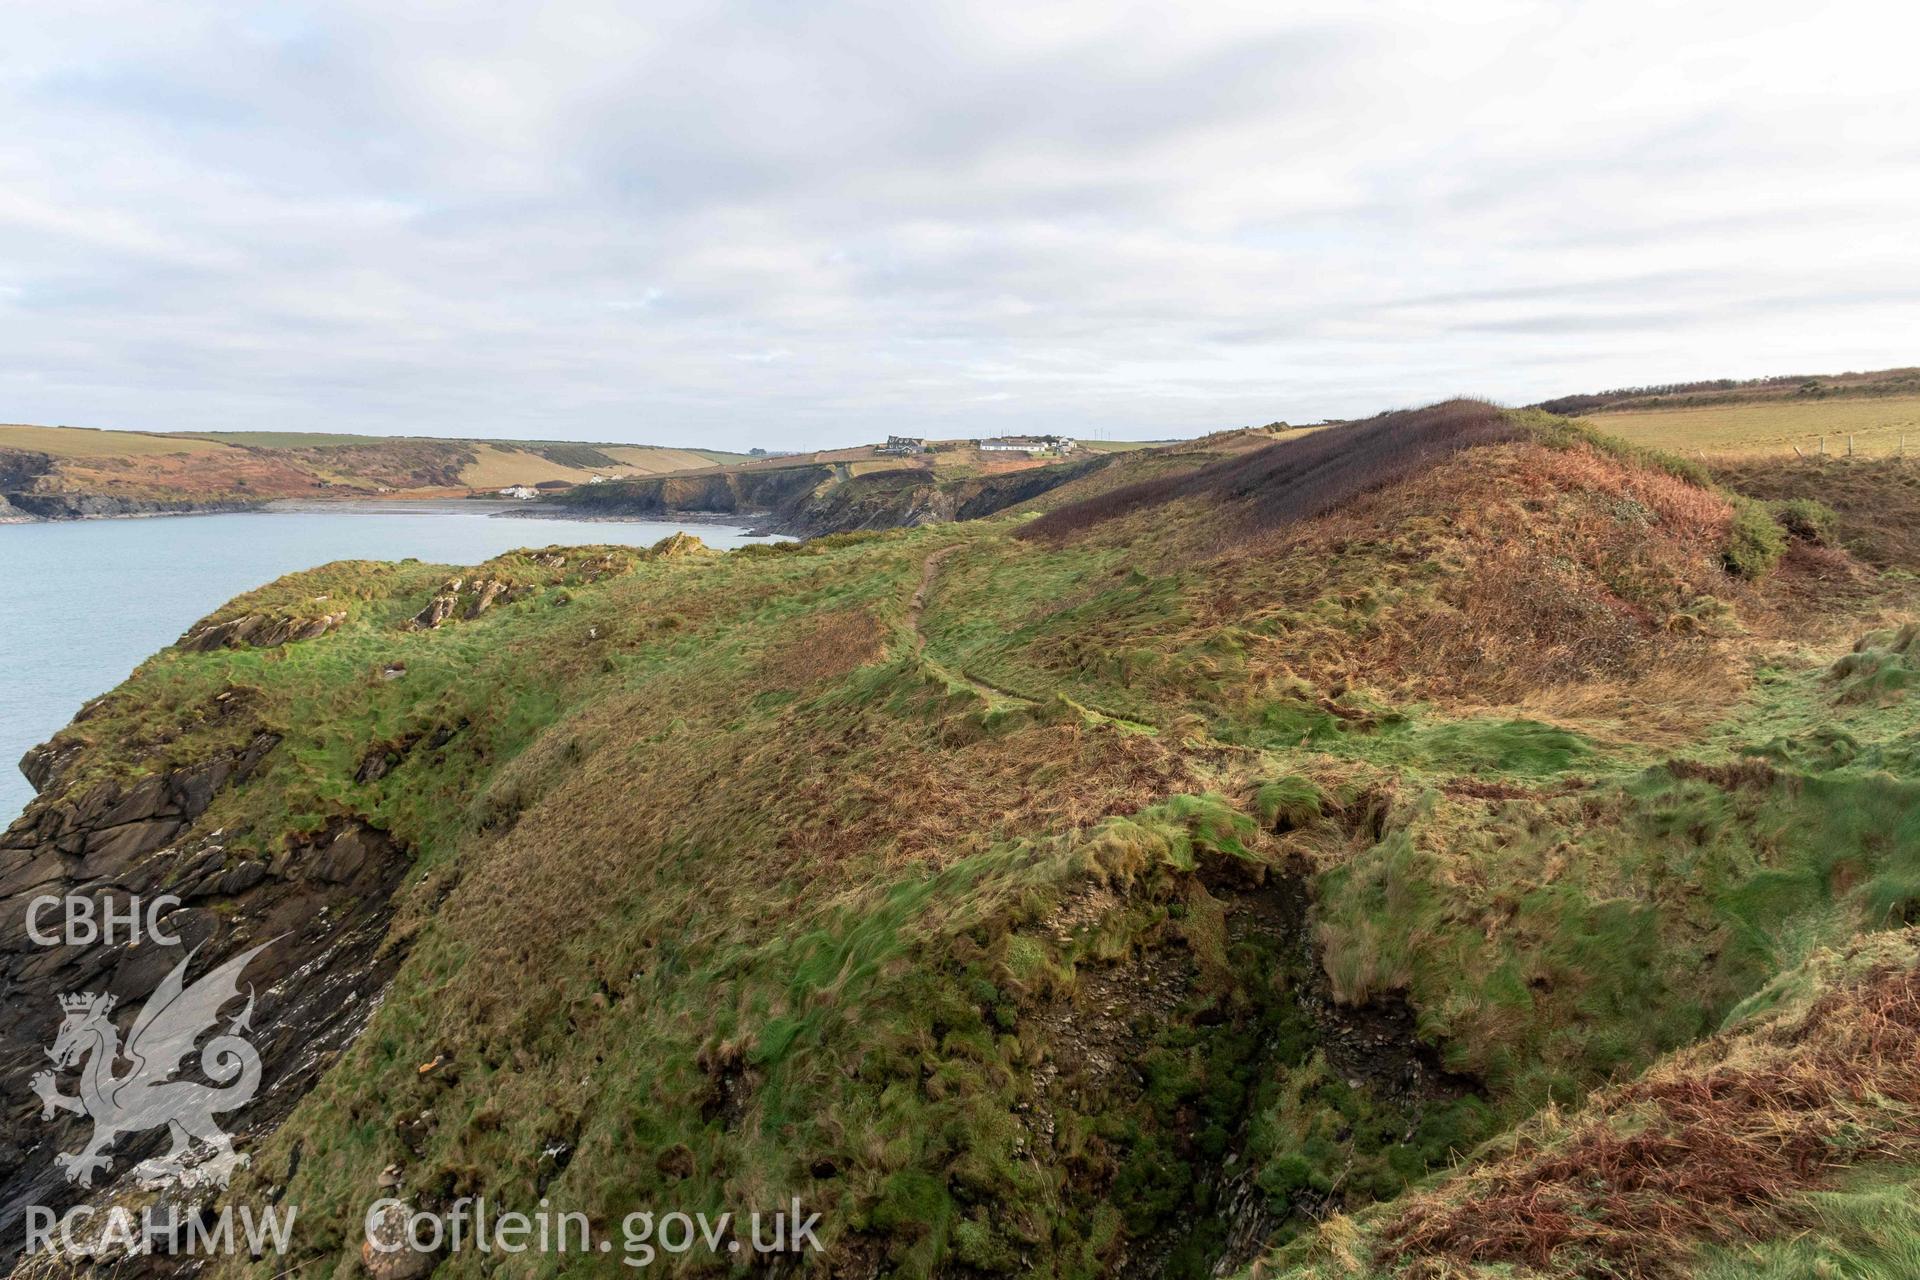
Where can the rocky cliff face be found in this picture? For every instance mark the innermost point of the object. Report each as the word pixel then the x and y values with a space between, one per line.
pixel 320 906
pixel 24 496
pixel 20 468
pixel 821 498
pixel 778 492
pixel 96 506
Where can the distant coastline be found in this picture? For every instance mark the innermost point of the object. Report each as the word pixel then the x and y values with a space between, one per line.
pixel 54 508
pixel 759 524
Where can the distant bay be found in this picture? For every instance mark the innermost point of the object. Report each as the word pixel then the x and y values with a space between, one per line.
pixel 84 602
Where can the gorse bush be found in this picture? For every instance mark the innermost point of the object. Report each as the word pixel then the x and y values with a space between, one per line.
pixel 1755 541
pixel 1807 519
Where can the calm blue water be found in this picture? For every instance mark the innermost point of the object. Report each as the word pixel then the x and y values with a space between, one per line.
pixel 82 603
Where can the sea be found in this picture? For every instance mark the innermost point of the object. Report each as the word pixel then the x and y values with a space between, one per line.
pixel 83 602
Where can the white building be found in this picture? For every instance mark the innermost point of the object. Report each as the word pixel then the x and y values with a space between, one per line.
pixel 1025 444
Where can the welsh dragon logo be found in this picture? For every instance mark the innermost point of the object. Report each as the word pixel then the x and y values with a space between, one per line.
pixel 143 1097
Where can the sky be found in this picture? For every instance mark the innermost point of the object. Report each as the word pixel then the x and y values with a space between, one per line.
pixel 794 224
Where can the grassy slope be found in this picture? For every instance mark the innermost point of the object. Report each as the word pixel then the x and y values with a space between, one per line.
pixel 938 877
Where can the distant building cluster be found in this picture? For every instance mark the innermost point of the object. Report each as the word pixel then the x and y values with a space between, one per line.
pixel 1025 444
pixel 903 446
pixel 524 492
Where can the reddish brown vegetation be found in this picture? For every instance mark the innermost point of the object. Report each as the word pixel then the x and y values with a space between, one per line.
pixel 1299 479
pixel 194 476
pixel 241 472
pixel 1497 574
pixel 1734 775
pixel 1876 500
pixel 862 793
pixel 826 647
pixel 1709 1154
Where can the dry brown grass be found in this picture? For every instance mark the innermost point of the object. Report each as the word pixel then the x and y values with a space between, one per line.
pixel 1665 705
pixel 1717 1147
pixel 1566 584
pixel 824 647
pixel 1557 568
pixel 1572 567
pixel 1579 584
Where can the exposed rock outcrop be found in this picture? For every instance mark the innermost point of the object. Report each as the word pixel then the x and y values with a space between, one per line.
pixel 258 631
pixel 677 545
pixel 21 468
pixel 462 599
pixel 518 574
pixel 321 905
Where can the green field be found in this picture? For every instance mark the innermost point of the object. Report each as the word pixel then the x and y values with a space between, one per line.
pixel 282 439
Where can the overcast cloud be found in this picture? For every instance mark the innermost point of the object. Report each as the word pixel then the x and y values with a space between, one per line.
pixel 794 224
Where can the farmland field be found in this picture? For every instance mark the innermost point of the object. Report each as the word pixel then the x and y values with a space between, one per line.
pixel 1777 427
pixel 652 460
pixel 77 442
pixel 282 439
